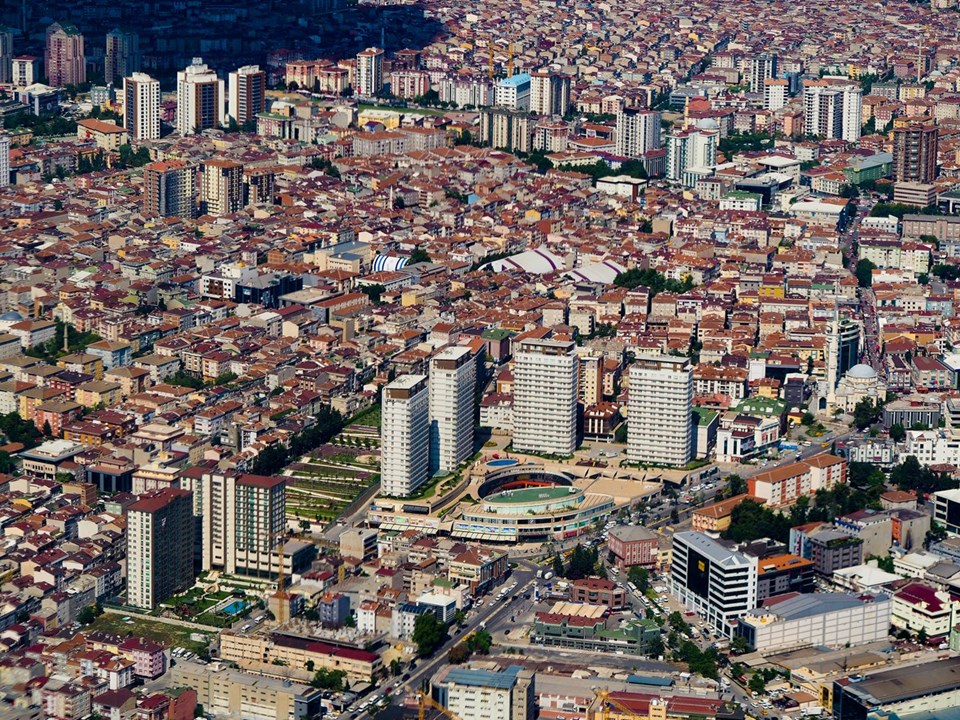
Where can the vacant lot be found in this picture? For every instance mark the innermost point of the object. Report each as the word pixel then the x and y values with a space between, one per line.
pixel 169 635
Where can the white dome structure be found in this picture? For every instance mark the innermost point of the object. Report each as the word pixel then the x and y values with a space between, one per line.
pixel 862 372
pixel 858 383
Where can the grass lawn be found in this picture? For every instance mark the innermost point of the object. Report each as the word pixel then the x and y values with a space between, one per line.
pixel 367 418
pixel 405 111
pixel 169 635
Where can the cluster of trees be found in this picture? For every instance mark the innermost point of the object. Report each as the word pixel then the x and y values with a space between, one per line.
pixel 182 379
pixel 374 292
pixel 864 272
pixel 751 520
pixel 18 430
pixel 597 170
pixel 325 679
pixel 899 210
pixel 910 475
pixel 43 125
pixel 272 460
pixel 736 485
pixel 867 413
pixel 429 633
pixel 701 662
pixel 652 279
pixel 53 349
pixel 583 563
pixel 111 116
pixel 419 256
pixel 640 577
pixel 882 185
pixel 476 643
pixel 745 142
pixel 130 158
pixel 947 272
pixel 90 613
pixel 600 169
pixel 91 163
pixel 321 163
pixel 758 681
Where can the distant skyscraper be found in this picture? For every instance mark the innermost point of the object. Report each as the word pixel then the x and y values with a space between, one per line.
pixel 453 379
pixel 409 84
pixel 200 99
pixel 4 160
pixel 26 71
pixel 638 132
pixel 247 93
pixel 122 56
pixel 159 547
pixel 369 72
pixel 591 376
pixel 6 55
pixel 693 149
pixel 506 129
pixel 513 93
pixel 169 189
pixel 65 61
pixel 221 187
pixel 775 93
pixel 659 413
pixel 761 68
pixel 238 520
pixel 141 107
pixel 915 149
pixel 258 186
pixel 833 108
pixel 545 393
pixel 549 93
pixel 405 436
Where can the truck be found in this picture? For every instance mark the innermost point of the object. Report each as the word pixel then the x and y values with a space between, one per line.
pixel 540 573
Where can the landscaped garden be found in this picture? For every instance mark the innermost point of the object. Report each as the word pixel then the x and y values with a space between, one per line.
pixel 220 608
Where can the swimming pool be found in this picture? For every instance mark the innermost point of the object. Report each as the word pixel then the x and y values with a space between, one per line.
pixel 502 462
pixel 236 607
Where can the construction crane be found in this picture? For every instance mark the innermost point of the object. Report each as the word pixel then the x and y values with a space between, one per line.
pixel 281 589
pixel 490 49
pixel 425 701
pixel 510 62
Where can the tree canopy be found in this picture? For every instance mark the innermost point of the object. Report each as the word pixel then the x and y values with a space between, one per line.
pixel 653 280
pixel 947 272
pixel 866 413
pixel 582 562
pixel 428 634
pixel 329 679
pixel 899 210
pixel 910 475
pixel 864 272
pixel 18 430
pixel 418 256
pixel 328 423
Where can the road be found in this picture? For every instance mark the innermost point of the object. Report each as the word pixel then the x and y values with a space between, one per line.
pixel 494 614
pixel 849 239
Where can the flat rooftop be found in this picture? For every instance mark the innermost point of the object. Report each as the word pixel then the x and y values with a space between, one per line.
pixel 908 682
